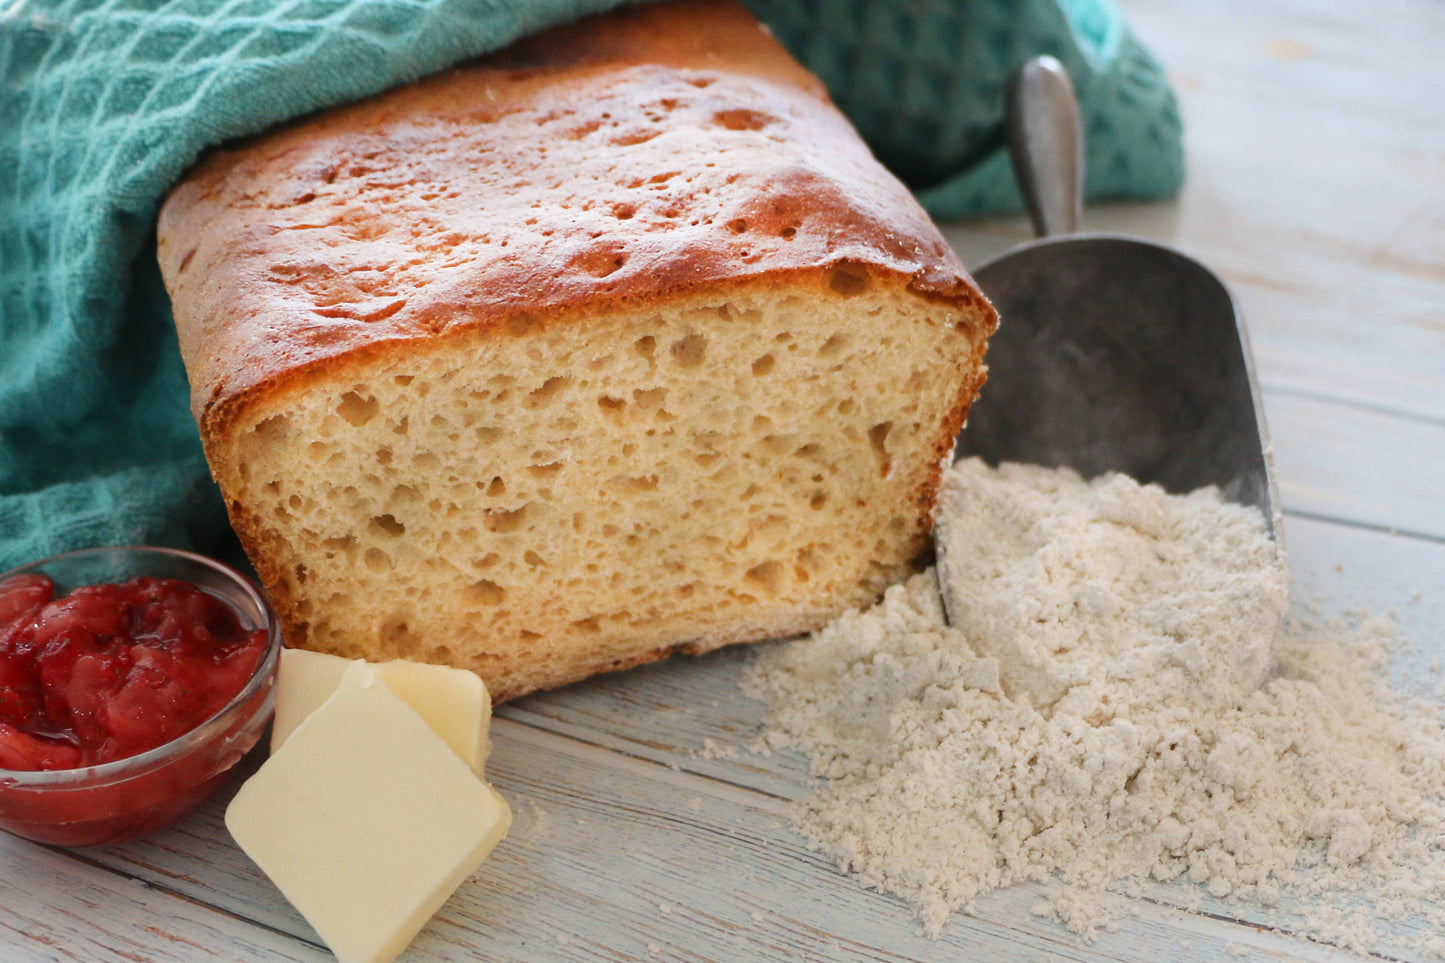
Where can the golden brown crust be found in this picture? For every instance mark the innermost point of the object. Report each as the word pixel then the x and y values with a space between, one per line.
pixel 676 149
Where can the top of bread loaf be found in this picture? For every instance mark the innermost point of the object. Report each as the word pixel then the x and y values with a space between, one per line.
pixel 437 205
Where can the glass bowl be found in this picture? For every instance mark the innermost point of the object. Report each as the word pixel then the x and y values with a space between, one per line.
pixel 120 800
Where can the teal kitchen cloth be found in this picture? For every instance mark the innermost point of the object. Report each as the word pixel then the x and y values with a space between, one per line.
pixel 104 103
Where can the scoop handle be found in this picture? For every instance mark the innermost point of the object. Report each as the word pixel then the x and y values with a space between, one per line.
pixel 1046 145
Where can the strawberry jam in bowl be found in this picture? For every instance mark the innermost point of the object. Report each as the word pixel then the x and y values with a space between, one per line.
pixel 131 681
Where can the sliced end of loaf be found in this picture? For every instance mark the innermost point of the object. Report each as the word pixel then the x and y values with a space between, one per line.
pixel 560 498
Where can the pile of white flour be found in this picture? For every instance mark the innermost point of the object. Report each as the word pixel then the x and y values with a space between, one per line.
pixel 1113 704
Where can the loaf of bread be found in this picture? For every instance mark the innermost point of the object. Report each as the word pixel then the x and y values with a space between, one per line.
pixel 616 343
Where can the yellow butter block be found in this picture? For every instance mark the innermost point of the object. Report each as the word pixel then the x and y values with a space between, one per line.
pixel 366 820
pixel 454 702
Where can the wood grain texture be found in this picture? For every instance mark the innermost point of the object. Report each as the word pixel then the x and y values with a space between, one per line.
pixel 59 906
pixel 646 830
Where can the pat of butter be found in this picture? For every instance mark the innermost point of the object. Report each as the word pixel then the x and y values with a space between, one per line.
pixel 454 702
pixel 366 820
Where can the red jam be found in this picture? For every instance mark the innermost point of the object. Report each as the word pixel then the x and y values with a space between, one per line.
pixel 111 671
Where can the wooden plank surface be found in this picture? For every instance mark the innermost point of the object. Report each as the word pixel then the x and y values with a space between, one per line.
pixel 645 828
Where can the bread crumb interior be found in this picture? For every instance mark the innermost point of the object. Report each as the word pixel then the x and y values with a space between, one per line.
pixel 576 495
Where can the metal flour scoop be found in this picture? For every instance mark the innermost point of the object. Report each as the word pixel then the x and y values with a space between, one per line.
pixel 1112 353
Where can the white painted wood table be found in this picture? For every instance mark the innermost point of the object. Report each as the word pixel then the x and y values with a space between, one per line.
pixel 1316 148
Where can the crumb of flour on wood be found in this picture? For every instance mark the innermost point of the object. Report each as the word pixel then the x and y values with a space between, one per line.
pixel 712 749
pixel 1106 710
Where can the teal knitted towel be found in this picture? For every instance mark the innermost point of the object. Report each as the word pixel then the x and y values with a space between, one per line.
pixel 104 103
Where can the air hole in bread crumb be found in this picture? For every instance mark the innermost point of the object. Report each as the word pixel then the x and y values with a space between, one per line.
pixel 848 282
pixel 356 410
pixel 809 450
pixel 624 212
pixel 550 388
pixel 396 633
pixel 749 492
pixel 689 351
pixel 387 525
pixel 532 559
pixel 590 624
pixel 485 592
pixel 377 561
pixel 650 398
pixel 818 500
pixel 763 365
pixel 768 576
pixel 788 233
pixel 503 522
pixel 639 483
pixel 777 444
pixel 273 430
pixel 338 543
pixel 488 434
pixel 738 225
pixel 645 345
pixel 878 438
pixel 609 403
pixel 402 381
pixel 486 561
pixel 834 346
pixel 544 471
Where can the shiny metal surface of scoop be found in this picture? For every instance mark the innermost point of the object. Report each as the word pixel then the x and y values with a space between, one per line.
pixel 1113 354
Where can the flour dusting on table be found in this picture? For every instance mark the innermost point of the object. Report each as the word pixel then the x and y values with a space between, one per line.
pixel 1106 712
